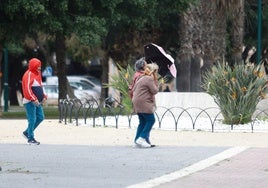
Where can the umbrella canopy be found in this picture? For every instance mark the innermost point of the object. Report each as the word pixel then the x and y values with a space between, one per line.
pixel 156 54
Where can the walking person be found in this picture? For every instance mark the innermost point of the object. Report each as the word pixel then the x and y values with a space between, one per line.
pixel 144 91
pixel 33 98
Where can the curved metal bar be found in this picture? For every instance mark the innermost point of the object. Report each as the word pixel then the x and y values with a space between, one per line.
pixel 111 106
pixel 219 113
pixel 129 117
pixel 201 112
pixel 172 114
pixel 252 124
pixel 95 110
pixel 158 117
pixel 78 105
pixel 89 106
pixel 65 102
pixel 61 110
pixel 258 112
pixel 70 109
pixel 185 110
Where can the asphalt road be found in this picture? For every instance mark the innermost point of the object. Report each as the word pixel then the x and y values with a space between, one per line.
pixel 75 166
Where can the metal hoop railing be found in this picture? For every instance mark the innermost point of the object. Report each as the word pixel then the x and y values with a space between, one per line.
pixel 75 109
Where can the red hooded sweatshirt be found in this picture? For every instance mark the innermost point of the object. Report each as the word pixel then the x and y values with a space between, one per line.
pixel 32 82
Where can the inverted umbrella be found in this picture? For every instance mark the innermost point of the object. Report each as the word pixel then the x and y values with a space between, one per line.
pixel 156 54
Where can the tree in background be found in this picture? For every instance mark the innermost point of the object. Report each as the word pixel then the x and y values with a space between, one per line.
pixel 58 20
pixel 132 24
pixel 119 29
pixel 203 35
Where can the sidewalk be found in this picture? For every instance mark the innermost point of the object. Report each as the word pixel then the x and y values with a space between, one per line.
pixel 175 152
pixel 53 132
pixel 248 169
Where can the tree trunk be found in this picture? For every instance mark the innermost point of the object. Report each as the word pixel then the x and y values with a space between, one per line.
pixel 185 54
pixel 197 60
pixel 184 72
pixel 237 31
pixel 208 9
pixel 1 76
pixel 104 76
pixel 61 66
pixel 196 74
pixel 220 29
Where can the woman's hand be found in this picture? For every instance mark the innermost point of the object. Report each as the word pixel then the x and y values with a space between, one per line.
pixel 147 72
pixel 152 73
pixel 155 75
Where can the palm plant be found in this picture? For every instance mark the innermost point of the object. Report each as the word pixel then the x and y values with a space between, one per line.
pixel 121 82
pixel 236 90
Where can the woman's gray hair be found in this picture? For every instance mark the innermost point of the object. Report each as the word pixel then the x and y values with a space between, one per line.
pixel 139 64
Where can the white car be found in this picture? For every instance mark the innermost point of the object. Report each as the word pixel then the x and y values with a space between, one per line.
pixel 90 80
pixel 84 91
pixel 81 93
pixel 79 82
pixel 53 94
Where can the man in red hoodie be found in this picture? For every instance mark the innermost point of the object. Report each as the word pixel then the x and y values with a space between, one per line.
pixel 33 97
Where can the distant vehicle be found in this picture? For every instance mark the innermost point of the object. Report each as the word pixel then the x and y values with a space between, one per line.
pixel 51 90
pixel 80 82
pixel 83 91
pixel 52 93
pixel 80 92
pixel 83 88
pixel 93 80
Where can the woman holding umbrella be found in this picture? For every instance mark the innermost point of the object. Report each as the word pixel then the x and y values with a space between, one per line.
pixel 144 91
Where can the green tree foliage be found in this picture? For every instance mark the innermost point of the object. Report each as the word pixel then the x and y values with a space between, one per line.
pixel 132 24
pixel 236 90
pixel 58 19
pixel 119 28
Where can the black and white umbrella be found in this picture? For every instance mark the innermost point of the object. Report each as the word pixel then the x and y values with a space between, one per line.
pixel 156 54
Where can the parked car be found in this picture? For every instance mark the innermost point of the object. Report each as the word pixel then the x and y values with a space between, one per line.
pixel 80 82
pixel 91 79
pixel 52 93
pixel 80 92
pixel 83 89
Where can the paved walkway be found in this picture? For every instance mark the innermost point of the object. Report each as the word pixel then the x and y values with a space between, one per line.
pixel 71 156
pixel 248 169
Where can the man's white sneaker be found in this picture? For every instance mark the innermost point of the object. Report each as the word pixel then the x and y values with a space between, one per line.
pixel 142 142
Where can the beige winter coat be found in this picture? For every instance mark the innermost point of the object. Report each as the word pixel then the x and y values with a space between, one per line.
pixel 144 93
